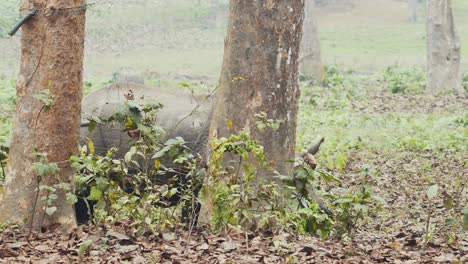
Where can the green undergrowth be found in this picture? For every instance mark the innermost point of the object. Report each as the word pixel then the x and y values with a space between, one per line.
pixel 7 103
pixel 359 115
pixel 365 113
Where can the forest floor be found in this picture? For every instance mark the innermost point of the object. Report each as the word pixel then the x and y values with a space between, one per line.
pixel 116 244
pixel 408 142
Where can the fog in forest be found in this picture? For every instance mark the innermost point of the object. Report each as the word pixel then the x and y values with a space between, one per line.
pixel 305 131
pixel 184 38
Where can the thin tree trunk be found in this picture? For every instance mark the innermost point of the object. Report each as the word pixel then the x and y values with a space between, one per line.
pixel 412 11
pixel 443 48
pixel 260 74
pixel 215 12
pixel 51 60
pixel 311 59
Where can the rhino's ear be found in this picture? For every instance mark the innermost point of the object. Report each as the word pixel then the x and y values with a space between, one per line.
pixel 314 149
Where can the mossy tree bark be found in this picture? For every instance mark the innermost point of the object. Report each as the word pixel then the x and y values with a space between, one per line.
pixel 311 59
pixel 260 74
pixel 49 91
pixel 443 48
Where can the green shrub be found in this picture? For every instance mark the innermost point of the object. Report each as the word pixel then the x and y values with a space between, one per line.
pixel 123 196
pixel 404 80
pixel 332 76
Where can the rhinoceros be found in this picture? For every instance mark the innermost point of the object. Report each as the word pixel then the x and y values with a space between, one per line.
pixel 183 115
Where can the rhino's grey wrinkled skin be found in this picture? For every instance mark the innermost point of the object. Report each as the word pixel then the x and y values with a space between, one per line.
pixel 183 115
pixel 128 75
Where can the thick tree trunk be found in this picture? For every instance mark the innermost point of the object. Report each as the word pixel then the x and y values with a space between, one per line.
pixel 413 11
pixel 443 48
pixel 260 74
pixel 51 60
pixel 311 59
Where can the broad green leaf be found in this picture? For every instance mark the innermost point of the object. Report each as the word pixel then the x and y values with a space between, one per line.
pixel 448 201
pixel 83 247
pixel 71 198
pixel 341 161
pixel 344 200
pixel 90 145
pixel 450 220
pixel 229 123
pixel 328 177
pixel 465 218
pixel 379 199
pixel 147 220
pixel 172 192
pixel 51 210
pixel 65 185
pixel 129 155
pixel 95 194
pixel 361 207
pixel 92 125
pixel 432 191
pixel 157 164
pixel 129 123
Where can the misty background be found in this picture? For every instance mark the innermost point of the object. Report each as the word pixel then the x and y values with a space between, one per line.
pixel 184 39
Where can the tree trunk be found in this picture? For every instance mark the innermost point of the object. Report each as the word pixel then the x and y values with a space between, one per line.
pixel 443 48
pixel 311 60
pixel 215 12
pixel 52 45
pixel 260 74
pixel 413 11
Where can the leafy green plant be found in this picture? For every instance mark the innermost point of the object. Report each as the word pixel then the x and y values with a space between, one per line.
pixel 332 76
pixel 455 214
pixel 465 218
pixel 263 122
pixel 83 248
pixel 234 188
pixel 432 192
pixel 150 177
pixel 404 80
pixel 352 204
pixel 239 198
pixel 46 192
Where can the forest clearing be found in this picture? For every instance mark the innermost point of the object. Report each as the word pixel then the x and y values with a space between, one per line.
pixel 206 136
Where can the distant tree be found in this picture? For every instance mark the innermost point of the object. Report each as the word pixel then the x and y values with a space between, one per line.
pixel 311 59
pixel 215 11
pixel 49 90
pixel 413 11
pixel 260 74
pixel 443 48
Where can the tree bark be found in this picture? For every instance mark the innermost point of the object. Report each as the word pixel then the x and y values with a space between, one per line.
pixel 311 59
pixel 412 11
pixel 262 48
pixel 52 45
pixel 443 48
